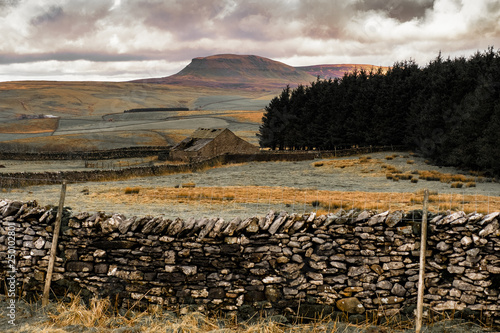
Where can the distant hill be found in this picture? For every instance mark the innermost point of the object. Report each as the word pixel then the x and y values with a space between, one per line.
pixel 333 71
pixel 249 72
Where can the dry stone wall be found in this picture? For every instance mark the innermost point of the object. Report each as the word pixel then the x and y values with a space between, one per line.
pixel 357 262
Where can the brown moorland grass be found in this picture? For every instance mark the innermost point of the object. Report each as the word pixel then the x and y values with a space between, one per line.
pixel 377 168
pixel 30 126
pixel 293 198
pixel 75 142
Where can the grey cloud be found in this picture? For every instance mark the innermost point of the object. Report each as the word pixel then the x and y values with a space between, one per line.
pixel 69 21
pixel 69 56
pixel 53 13
pixel 402 10
pixel 9 3
pixel 192 20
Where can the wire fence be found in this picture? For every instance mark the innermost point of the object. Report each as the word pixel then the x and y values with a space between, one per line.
pixel 188 200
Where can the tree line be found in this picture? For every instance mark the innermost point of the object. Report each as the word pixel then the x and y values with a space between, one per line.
pixel 449 111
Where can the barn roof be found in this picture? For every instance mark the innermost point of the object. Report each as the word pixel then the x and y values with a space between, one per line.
pixel 199 139
pixel 207 133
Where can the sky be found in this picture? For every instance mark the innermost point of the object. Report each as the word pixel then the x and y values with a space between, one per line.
pixel 120 40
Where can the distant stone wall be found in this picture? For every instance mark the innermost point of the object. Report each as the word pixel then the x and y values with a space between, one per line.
pixel 130 152
pixel 355 262
pixel 20 179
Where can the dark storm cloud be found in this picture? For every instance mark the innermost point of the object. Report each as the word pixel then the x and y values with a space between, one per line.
pixel 402 10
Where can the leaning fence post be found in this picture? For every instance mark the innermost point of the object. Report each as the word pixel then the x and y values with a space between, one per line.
pixel 423 248
pixel 53 249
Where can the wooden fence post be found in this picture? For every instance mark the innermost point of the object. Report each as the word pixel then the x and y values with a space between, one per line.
pixel 53 249
pixel 421 273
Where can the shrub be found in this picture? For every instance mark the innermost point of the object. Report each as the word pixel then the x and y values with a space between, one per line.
pixel 389 157
pixel 364 159
pixel 470 184
pixel 315 203
pixel 414 180
pixel 410 162
pixel 318 164
pixel 404 176
pixel 457 185
pixel 389 175
pixel 132 190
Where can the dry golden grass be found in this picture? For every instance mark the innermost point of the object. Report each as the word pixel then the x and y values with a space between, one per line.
pixel 30 126
pixel 176 136
pixel 245 116
pixel 365 161
pixel 293 198
pixel 444 177
pixel 132 190
pixel 101 316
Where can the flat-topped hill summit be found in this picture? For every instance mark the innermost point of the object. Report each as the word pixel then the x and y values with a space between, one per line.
pixel 236 71
pixel 250 71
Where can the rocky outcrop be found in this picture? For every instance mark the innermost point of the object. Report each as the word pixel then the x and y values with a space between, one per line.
pixel 355 262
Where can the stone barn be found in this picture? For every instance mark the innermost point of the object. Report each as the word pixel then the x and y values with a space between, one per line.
pixel 206 143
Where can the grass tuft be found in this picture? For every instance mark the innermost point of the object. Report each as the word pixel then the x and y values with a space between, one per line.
pixel 132 190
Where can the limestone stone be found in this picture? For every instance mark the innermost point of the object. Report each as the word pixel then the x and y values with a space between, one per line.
pixel 377 269
pixel 398 290
pixel 466 241
pixel 112 224
pixel 377 219
pixel 464 286
pixel 394 218
pixel 393 265
pixel 489 229
pixel 388 300
pixel 278 222
pixel 384 284
pixel 350 305
pixel 450 305
pixel 488 218
pixel 455 269
pixel 356 271
pixel 493 269
pixel 443 246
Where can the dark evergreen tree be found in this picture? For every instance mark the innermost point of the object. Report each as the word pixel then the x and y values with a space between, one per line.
pixel 448 111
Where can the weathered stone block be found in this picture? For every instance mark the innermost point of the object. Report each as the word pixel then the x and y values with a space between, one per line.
pixel 350 305
pixel 79 266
